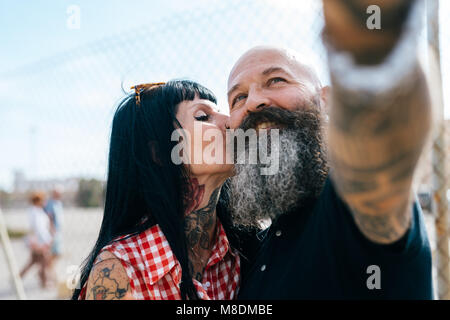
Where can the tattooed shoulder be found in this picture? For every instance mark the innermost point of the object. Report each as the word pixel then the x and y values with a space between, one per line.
pixel 108 280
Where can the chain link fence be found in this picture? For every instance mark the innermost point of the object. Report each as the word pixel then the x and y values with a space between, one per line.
pixel 57 112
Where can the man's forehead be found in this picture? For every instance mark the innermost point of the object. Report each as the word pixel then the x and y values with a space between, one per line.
pixel 256 61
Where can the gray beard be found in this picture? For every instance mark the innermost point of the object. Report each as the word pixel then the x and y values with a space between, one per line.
pixel 257 198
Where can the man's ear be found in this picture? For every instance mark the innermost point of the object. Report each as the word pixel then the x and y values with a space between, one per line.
pixel 325 92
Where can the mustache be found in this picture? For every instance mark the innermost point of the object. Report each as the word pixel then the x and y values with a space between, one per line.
pixel 305 118
pixel 282 117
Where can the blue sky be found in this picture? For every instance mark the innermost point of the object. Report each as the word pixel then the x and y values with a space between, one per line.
pixel 59 86
pixel 35 29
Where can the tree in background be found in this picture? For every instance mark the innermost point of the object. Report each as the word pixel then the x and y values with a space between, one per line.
pixel 90 193
pixel 5 198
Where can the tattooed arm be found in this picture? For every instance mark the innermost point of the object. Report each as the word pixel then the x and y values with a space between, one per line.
pixel 108 280
pixel 378 122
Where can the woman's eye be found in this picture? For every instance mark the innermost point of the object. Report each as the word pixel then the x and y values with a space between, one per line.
pixel 275 80
pixel 202 117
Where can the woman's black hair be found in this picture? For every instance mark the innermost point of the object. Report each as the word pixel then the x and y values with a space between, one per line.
pixel 144 187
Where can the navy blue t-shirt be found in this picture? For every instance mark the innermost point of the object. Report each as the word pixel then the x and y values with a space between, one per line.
pixel 319 253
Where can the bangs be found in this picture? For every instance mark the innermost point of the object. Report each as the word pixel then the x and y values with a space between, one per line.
pixel 186 90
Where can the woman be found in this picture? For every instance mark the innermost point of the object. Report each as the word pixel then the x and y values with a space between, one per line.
pixel 40 238
pixel 165 234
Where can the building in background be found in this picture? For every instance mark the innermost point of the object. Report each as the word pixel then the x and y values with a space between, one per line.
pixel 76 192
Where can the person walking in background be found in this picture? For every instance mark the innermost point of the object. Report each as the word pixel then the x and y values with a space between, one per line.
pixel 40 238
pixel 54 210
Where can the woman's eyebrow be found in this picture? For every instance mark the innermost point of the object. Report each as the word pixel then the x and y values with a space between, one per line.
pixel 205 105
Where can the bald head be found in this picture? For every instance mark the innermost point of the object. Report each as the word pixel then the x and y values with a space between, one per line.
pixel 270 76
pixel 275 56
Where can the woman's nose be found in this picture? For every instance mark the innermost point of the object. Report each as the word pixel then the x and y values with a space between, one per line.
pixel 222 121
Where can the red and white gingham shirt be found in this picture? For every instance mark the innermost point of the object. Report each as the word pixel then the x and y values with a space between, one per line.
pixel 155 273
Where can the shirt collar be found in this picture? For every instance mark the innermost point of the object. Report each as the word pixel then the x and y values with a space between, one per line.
pixel 162 259
pixel 167 261
pixel 221 247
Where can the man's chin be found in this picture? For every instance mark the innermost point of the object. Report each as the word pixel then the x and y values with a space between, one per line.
pixel 299 180
pixel 257 197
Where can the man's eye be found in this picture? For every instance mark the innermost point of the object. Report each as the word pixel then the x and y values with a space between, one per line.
pixel 275 80
pixel 238 98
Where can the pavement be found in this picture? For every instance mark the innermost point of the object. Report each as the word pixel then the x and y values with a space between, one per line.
pixel 80 231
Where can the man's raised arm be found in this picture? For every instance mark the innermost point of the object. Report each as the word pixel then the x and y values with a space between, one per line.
pixel 380 111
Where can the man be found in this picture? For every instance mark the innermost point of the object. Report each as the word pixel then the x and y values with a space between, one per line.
pixel 345 222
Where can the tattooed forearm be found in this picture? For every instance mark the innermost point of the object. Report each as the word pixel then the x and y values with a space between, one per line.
pixel 378 113
pixel 359 180
pixel 375 142
pixel 385 227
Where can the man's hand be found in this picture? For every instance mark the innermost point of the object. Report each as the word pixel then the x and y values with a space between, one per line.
pixel 345 27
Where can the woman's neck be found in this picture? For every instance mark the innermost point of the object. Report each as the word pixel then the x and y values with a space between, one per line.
pixel 201 221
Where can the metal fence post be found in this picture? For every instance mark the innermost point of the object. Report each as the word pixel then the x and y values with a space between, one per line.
pixel 10 259
pixel 439 158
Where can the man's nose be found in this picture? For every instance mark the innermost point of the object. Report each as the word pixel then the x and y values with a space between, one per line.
pixel 256 100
